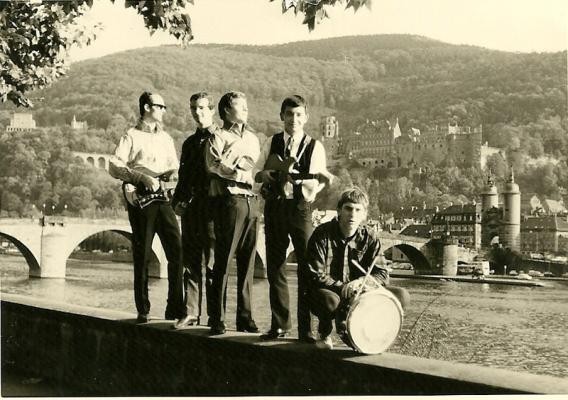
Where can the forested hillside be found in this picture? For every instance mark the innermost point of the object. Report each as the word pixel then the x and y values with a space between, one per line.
pixel 519 98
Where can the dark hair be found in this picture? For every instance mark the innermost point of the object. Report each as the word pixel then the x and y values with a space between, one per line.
pixel 145 98
pixel 294 101
pixel 227 100
pixel 201 95
pixel 353 195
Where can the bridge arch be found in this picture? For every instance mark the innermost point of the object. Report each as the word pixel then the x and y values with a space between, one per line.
pixel 31 258
pixel 416 257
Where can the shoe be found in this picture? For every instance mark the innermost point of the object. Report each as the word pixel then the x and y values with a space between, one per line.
pixel 142 318
pixel 325 343
pixel 186 321
pixel 307 337
pixel 277 333
pixel 247 326
pixel 217 328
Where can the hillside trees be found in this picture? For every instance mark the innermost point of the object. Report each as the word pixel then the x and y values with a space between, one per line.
pixel 37 35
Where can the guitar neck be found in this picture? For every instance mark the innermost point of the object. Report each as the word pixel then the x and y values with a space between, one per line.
pixel 298 176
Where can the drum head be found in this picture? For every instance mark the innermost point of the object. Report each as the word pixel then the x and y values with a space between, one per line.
pixel 374 321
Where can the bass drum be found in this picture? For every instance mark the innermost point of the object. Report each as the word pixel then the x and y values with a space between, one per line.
pixel 373 321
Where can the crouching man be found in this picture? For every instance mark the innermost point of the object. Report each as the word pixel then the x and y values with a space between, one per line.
pixel 339 254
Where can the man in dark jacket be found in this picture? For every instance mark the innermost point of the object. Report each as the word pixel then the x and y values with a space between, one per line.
pixel 335 250
pixel 191 202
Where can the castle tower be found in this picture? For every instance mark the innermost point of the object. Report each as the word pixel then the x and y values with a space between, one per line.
pixel 511 223
pixel 329 128
pixel 489 197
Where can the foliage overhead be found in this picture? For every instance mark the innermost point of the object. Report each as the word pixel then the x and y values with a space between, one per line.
pixel 37 35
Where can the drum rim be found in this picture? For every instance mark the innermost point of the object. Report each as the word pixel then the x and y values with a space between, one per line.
pixel 388 294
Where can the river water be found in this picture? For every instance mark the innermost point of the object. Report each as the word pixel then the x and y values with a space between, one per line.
pixel 510 327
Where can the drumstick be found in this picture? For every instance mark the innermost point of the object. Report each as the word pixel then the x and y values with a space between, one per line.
pixel 367 274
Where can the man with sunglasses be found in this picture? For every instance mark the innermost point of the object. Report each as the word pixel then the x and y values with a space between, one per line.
pixel 143 156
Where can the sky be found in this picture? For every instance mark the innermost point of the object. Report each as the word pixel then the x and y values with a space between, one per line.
pixel 509 25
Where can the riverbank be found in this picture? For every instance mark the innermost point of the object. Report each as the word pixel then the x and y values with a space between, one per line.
pixel 469 279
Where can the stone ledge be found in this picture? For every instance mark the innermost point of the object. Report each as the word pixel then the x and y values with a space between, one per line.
pixel 106 353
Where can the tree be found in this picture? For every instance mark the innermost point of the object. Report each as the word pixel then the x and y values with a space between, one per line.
pixel 37 35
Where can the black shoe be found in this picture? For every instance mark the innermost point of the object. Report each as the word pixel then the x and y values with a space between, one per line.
pixel 217 328
pixel 247 326
pixel 142 318
pixel 307 337
pixel 186 321
pixel 273 334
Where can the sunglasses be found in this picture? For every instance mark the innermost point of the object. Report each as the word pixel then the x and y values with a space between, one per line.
pixel 160 106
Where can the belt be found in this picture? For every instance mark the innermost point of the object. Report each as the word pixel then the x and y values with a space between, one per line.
pixel 244 196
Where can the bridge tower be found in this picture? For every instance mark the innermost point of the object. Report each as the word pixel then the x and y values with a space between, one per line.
pixel 489 197
pixel 511 223
pixel 490 212
pixel 449 254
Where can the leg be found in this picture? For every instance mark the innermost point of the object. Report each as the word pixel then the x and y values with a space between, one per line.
pixel 168 231
pixel 226 241
pixel 401 294
pixel 246 253
pixel 142 223
pixel 277 242
pixel 324 304
pixel 300 232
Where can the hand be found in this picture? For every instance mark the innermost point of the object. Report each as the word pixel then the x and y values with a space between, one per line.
pixel 349 289
pixel 181 207
pixel 266 176
pixel 150 183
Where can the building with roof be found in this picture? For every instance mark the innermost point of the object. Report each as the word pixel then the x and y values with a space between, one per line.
pixel 380 143
pixel 463 222
pixel 21 122
pixel 545 234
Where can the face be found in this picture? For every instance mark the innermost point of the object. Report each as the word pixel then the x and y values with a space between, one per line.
pixel 202 113
pixel 155 111
pixel 294 119
pixel 237 113
pixel 351 215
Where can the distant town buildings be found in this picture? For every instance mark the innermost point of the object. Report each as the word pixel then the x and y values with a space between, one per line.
pixel 21 122
pixel 463 222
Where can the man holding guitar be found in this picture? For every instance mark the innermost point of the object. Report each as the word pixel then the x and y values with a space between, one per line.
pixel 294 172
pixel 144 160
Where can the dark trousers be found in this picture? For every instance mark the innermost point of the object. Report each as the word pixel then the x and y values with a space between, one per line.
pixel 156 218
pixel 284 220
pixel 235 222
pixel 325 304
pixel 198 241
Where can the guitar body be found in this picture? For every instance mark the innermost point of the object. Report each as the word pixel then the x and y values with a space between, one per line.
pixel 283 169
pixel 139 196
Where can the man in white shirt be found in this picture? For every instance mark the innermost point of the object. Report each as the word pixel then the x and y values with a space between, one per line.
pixel 288 212
pixel 230 157
pixel 143 158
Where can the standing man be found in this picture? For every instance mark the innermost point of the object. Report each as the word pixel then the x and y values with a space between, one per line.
pixel 230 157
pixel 288 214
pixel 144 157
pixel 191 202
pixel 334 250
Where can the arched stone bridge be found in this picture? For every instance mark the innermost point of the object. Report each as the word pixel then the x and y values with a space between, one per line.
pixel 46 246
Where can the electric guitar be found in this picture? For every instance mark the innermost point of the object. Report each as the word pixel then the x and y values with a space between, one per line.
pixel 282 170
pixel 139 196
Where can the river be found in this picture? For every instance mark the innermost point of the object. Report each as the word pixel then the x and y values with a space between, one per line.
pixel 510 327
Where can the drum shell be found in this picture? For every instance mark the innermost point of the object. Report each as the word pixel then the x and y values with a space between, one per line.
pixel 381 311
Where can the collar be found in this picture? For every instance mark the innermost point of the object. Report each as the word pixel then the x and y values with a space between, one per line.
pixel 143 126
pixel 296 138
pixel 234 128
pixel 210 130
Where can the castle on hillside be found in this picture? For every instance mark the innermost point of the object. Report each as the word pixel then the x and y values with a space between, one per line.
pixel 383 144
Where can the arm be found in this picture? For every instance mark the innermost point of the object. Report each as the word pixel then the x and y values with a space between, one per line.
pixel 263 175
pixel 216 160
pixel 317 270
pixel 182 191
pixel 379 272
